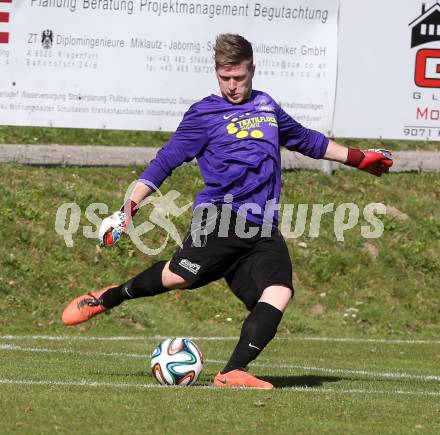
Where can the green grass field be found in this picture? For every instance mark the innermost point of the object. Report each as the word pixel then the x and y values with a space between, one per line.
pixel 382 293
pixel 79 136
pixel 86 384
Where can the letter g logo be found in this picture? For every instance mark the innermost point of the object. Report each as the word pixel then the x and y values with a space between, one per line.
pixel 427 74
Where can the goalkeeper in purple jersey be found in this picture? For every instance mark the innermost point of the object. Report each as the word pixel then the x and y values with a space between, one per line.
pixel 236 136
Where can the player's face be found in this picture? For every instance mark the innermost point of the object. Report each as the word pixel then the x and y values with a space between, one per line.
pixel 235 81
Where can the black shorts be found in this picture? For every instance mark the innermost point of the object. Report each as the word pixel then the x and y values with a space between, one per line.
pixel 249 264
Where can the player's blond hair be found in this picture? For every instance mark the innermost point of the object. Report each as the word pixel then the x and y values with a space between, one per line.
pixel 230 49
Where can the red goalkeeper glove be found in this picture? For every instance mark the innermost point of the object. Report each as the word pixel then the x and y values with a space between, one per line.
pixel 374 161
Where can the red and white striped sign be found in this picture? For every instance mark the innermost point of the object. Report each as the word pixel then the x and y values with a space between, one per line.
pixel 4 18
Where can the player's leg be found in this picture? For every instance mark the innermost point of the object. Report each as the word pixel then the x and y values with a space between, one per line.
pixel 155 280
pixel 260 326
pixel 263 282
pixel 192 266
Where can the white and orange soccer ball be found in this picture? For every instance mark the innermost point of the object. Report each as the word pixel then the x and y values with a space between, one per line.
pixel 177 361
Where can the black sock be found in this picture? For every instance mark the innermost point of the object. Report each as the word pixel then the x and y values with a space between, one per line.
pixel 258 329
pixel 147 283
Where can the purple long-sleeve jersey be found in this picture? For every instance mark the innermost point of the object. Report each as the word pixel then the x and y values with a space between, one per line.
pixel 237 147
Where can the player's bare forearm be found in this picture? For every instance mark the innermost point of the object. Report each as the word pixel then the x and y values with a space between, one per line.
pixel 140 192
pixel 336 152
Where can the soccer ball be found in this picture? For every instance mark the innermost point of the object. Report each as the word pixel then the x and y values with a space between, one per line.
pixel 177 361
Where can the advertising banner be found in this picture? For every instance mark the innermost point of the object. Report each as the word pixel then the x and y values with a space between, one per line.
pixel 139 64
pixel 389 70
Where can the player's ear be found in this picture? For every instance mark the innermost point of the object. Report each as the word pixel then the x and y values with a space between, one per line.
pixel 252 70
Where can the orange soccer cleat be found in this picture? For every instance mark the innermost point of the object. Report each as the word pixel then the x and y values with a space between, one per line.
pixel 240 378
pixel 84 307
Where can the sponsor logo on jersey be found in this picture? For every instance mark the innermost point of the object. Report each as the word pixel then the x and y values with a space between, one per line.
pixel 264 106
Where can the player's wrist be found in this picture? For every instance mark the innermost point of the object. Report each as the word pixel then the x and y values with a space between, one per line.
pixel 354 157
pixel 130 208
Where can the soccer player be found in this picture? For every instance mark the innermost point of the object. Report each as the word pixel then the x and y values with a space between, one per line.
pixel 236 136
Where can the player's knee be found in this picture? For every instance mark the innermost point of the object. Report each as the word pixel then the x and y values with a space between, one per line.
pixel 278 296
pixel 171 280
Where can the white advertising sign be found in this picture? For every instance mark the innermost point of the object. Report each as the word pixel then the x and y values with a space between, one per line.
pixel 389 70
pixel 139 64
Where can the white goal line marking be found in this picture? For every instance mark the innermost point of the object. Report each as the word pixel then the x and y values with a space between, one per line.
pixel 207 338
pixel 388 375
pixel 85 383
